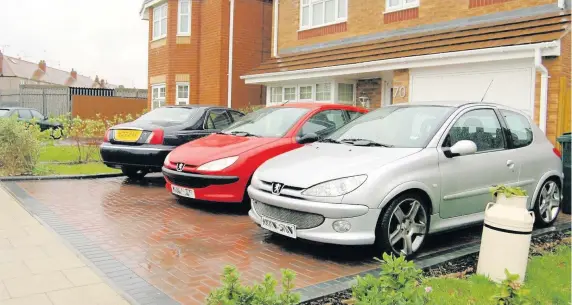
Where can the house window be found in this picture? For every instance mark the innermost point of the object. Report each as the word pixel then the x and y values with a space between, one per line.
pixel 182 93
pixel 160 22
pixel 276 95
pixel 395 5
pixel 346 93
pixel 289 94
pixel 314 13
pixel 305 92
pixel 184 21
pixel 158 96
pixel 324 92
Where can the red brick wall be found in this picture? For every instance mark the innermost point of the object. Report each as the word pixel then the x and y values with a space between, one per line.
pixel 251 46
pixel 205 58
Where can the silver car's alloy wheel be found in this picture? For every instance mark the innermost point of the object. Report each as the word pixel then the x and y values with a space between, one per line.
pixel 549 201
pixel 407 226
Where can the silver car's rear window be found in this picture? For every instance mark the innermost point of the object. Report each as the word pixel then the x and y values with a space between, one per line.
pixel 406 126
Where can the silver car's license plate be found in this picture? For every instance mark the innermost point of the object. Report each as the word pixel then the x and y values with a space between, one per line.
pixel 279 227
pixel 184 192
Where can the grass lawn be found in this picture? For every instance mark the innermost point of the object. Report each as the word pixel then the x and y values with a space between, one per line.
pixel 65 153
pixel 51 155
pixel 547 279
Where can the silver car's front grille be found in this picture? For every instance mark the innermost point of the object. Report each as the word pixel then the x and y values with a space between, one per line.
pixel 301 220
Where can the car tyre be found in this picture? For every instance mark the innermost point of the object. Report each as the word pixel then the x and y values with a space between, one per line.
pixel 134 172
pixel 402 229
pixel 548 203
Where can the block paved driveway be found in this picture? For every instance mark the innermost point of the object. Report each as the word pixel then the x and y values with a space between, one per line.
pixel 181 249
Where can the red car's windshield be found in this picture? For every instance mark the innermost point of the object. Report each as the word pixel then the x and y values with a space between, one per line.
pixel 267 122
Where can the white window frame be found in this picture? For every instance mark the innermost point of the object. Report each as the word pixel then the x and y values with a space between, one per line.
pixel 298 91
pixel 183 101
pixel 284 93
pixel 162 9
pixel 277 89
pixel 180 15
pixel 331 95
pixel 354 98
pixel 161 99
pixel 309 5
pixel 403 5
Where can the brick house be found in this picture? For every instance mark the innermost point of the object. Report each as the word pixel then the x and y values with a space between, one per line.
pixel 380 52
pixel 199 49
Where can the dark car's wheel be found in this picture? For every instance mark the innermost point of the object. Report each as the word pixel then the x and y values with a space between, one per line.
pixel 403 227
pixel 134 172
pixel 56 133
pixel 547 205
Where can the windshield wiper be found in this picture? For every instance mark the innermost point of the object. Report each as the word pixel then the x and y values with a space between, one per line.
pixel 364 142
pixel 244 134
pixel 329 141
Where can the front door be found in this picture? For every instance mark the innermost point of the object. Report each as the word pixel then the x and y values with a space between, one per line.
pixel 466 180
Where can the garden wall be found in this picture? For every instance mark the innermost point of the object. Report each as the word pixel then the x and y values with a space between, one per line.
pixel 87 107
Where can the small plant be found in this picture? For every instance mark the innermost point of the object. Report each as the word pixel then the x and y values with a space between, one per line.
pixel 233 292
pixel 20 146
pixel 508 191
pixel 399 282
pixel 511 291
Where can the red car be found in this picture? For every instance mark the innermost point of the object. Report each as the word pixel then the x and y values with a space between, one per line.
pixel 218 167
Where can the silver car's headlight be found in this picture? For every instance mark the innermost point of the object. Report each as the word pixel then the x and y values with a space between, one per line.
pixel 336 187
pixel 218 165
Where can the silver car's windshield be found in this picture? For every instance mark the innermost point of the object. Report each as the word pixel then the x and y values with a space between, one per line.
pixel 406 126
pixel 267 122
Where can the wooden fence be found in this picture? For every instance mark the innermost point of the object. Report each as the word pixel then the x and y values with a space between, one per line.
pixel 88 107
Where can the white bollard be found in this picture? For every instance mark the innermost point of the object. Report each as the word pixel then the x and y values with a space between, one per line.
pixel 506 238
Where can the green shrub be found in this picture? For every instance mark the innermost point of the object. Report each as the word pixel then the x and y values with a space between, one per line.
pixel 508 191
pixel 20 146
pixel 233 292
pixel 511 291
pixel 400 282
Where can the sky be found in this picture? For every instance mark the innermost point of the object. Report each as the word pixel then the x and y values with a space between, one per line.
pixel 95 37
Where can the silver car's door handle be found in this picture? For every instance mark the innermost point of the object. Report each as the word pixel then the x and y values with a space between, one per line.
pixel 510 164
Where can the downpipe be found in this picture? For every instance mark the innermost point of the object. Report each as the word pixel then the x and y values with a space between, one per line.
pixel 543 89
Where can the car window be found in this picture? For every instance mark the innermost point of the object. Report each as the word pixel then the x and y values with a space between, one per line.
pixel 236 115
pixel 268 122
pixel 4 112
pixel 323 123
pixel 354 114
pixel 519 127
pixel 217 119
pixel 174 115
pixel 480 126
pixel 37 115
pixel 24 114
pixel 398 126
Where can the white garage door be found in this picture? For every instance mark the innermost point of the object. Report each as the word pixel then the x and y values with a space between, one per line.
pixel 512 83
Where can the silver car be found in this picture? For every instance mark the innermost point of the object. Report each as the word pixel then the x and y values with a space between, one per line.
pixel 397 174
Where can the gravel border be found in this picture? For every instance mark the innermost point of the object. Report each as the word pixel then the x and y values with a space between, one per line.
pixel 59 177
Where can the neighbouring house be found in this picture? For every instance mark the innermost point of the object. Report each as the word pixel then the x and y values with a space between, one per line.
pixel 15 72
pixel 380 52
pixel 199 49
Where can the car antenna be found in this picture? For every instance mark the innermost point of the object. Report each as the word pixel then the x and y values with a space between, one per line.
pixel 486 91
pixel 286 102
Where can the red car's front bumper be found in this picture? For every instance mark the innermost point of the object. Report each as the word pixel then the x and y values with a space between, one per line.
pixel 207 187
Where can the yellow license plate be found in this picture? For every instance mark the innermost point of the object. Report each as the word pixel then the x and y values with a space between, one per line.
pixel 127 135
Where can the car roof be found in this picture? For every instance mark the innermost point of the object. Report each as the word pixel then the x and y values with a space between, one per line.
pixel 309 105
pixel 16 108
pixel 194 106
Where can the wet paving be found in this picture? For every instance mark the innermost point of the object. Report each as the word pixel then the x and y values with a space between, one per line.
pixel 181 248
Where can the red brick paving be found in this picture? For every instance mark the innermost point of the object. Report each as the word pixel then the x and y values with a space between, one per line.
pixel 182 249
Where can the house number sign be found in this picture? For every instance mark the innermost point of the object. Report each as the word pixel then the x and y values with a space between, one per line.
pixel 399 91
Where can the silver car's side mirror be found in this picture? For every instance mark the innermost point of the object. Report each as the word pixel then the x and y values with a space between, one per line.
pixel 461 148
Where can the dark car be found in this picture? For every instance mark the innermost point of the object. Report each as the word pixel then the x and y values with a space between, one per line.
pixel 140 147
pixel 32 115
